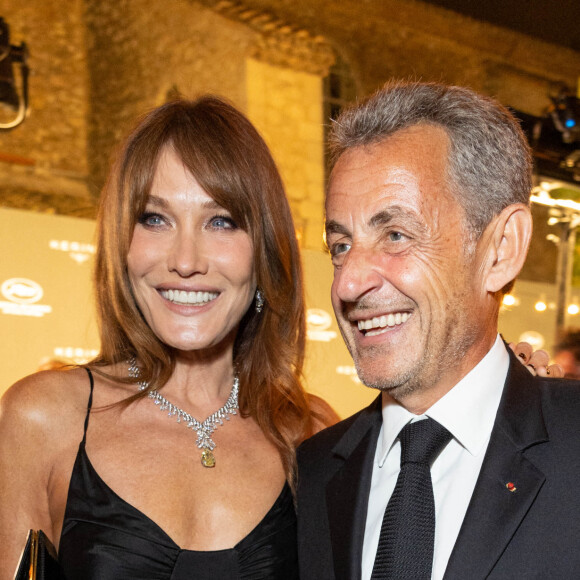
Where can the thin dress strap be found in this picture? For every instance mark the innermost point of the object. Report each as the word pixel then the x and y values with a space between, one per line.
pixel 90 403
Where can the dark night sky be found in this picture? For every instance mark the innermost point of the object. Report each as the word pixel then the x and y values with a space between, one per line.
pixel 556 21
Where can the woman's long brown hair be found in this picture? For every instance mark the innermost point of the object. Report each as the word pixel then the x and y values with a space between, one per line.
pixel 231 162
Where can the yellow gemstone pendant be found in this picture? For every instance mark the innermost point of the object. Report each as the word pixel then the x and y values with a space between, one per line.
pixel 207 458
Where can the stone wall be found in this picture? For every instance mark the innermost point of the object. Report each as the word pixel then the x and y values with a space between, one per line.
pixel 286 106
pixel 43 162
pixel 98 64
pixel 408 38
pixel 140 51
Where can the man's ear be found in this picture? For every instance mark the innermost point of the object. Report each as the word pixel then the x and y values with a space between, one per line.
pixel 508 239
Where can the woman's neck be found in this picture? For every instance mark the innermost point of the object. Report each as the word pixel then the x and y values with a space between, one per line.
pixel 202 379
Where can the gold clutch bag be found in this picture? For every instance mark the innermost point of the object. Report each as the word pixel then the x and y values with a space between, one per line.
pixel 38 560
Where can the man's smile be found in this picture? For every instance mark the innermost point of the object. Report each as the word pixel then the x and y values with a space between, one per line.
pixel 377 324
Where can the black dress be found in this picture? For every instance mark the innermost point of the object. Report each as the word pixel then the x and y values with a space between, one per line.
pixel 105 538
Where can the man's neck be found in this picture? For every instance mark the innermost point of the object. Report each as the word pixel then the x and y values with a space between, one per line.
pixel 419 400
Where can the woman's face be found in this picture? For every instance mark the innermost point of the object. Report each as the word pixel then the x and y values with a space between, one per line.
pixel 190 265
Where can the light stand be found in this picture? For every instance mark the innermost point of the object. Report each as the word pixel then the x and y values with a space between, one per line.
pixel 10 55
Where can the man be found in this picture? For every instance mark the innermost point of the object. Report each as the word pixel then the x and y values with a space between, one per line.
pixel 428 224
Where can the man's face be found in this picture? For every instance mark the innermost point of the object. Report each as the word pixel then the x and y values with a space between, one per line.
pixel 406 292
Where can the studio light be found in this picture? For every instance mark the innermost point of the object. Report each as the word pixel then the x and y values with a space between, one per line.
pixel 565 114
pixel 10 98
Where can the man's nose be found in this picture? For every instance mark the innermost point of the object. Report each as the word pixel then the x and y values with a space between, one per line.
pixel 358 275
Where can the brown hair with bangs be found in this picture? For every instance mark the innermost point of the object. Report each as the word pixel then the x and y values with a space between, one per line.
pixel 232 163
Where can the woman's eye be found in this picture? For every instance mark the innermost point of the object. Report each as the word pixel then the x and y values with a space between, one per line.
pixel 223 222
pixel 151 219
pixel 396 236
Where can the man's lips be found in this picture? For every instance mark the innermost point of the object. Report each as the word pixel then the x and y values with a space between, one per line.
pixel 370 326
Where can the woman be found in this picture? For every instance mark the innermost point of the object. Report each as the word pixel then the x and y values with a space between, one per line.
pixel 200 306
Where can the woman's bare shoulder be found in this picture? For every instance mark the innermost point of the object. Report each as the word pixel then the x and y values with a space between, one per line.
pixel 44 402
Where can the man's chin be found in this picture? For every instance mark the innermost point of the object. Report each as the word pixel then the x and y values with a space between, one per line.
pixel 377 380
pixel 397 385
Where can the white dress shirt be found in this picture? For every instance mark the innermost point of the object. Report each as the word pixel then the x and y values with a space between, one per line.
pixel 468 412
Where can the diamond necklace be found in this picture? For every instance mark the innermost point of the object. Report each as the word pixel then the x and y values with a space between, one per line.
pixel 204 430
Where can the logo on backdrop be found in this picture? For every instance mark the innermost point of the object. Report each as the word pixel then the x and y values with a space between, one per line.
pixel 22 296
pixel 76 354
pixel 78 251
pixel 318 322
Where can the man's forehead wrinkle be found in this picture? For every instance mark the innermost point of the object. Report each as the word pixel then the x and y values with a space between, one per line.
pixel 381 219
pixel 393 177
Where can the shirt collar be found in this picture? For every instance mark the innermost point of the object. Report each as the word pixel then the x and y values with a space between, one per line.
pixel 467 411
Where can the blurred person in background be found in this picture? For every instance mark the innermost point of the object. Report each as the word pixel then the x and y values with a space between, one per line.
pixel 567 353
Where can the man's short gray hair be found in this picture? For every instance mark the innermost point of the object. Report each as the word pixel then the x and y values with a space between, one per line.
pixel 489 160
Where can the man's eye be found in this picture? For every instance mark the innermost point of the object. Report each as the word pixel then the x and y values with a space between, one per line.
pixel 337 249
pixel 396 236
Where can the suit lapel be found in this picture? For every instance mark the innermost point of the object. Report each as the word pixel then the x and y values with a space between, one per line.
pixel 497 508
pixel 348 490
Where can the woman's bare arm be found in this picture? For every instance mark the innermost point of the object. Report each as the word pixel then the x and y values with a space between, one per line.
pixel 35 416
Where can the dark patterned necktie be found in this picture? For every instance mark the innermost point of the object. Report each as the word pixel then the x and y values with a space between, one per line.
pixel 405 549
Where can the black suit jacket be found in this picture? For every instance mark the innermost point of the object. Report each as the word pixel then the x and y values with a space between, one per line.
pixel 530 533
